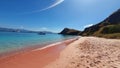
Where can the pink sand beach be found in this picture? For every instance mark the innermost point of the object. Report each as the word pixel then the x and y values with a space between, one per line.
pixel 85 52
pixel 37 58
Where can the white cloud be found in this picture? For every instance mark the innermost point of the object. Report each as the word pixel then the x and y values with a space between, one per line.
pixel 43 28
pixel 88 25
pixel 57 2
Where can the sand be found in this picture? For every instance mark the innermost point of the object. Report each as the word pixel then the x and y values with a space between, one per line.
pixel 89 52
pixel 37 58
pixel 85 52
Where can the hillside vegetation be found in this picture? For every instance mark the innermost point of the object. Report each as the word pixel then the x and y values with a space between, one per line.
pixel 108 28
pixel 110 31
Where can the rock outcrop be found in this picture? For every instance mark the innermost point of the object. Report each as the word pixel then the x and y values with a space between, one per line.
pixel 67 31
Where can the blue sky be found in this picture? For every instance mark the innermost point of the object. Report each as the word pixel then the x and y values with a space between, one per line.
pixel 54 15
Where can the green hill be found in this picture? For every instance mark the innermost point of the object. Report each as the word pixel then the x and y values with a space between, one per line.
pixel 110 31
pixel 109 28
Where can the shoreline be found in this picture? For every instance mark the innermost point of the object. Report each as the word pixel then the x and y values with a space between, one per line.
pixel 31 48
pixel 51 51
pixel 89 52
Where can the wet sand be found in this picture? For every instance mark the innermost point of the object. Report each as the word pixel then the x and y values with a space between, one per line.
pixel 85 52
pixel 37 58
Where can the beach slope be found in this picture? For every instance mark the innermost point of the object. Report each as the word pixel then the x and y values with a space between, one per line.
pixel 89 52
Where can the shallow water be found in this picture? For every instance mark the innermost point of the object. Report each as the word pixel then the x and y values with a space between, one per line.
pixel 10 41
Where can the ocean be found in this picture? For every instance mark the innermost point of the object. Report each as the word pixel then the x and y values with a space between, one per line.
pixel 12 41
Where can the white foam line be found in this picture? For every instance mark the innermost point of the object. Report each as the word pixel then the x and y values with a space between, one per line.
pixel 54 44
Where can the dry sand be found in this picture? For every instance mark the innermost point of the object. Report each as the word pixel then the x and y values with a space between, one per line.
pixel 89 52
pixel 86 52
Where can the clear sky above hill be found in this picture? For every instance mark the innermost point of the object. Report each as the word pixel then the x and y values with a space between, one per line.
pixel 54 15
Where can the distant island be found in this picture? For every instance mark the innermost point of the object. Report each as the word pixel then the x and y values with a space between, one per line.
pixel 109 28
pixel 3 29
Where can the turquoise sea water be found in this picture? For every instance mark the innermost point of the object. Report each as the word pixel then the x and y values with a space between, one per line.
pixel 10 41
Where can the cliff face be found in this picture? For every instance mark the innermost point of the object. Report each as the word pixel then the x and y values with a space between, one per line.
pixel 113 19
pixel 67 31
